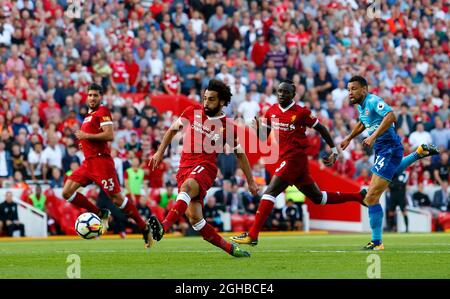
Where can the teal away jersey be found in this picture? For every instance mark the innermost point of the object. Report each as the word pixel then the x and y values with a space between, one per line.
pixel 371 113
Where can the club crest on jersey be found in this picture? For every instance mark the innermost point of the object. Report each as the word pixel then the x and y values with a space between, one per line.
pixel 294 117
pixel 367 111
pixel 87 119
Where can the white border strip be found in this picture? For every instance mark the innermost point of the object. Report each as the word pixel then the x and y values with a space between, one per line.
pixel 350 226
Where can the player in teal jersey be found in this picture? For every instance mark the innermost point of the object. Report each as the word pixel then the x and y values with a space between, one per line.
pixel 378 118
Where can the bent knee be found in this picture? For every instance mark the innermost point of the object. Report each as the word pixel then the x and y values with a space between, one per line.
pixel 316 198
pixel 67 194
pixel 193 219
pixel 117 199
pixel 372 198
pixel 191 187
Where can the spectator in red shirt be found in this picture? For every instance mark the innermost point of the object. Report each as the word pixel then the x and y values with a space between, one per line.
pixel 156 9
pixel 344 166
pixel 132 69
pixel 364 178
pixel 260 49
pixel 171 81
pixel 119 75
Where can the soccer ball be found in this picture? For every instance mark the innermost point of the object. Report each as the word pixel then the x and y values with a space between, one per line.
pixel 88 226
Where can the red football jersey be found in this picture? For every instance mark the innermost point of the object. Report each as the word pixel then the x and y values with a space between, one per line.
pixel 205 137
pixel 93 123
pixel 289 126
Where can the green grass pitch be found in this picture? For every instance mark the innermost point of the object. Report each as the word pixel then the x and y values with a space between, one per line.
pixel 302 256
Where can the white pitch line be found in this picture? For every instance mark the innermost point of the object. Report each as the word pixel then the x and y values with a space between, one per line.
pixel 387 251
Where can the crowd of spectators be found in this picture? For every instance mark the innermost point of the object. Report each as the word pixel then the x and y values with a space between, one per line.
pixel 175 46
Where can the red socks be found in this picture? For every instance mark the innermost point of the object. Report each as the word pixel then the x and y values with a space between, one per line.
pixel 330 198
pixel 178 210
pixel 264 209
pixel 209 234
pixel 82 202
pixel 130 210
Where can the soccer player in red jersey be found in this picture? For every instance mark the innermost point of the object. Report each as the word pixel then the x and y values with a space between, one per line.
pixel 206 131
pixel 289 122
pixel 98 166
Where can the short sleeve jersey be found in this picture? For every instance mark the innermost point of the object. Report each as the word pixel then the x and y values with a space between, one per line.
pixel 205 137
pixel 93 123
pixel 371 113
pixel 289 126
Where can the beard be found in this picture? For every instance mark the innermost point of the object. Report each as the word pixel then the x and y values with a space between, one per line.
pixel 211 112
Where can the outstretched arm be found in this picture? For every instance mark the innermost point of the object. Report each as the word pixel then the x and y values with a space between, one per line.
pixel 245 166
pixel 262 129
pixel 323 131
pixel 358 129
pixel 167 139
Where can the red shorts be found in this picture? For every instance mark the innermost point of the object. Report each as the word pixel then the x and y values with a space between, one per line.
pixel 203 173
pixel 99 170
pixel 294 171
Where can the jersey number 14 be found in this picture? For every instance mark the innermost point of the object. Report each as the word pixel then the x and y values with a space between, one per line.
pixel 379 163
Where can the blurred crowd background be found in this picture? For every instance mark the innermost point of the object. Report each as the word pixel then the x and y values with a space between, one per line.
pixel 175 47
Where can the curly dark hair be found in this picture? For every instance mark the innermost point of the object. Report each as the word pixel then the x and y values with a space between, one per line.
pixel 361 80
pixel 97 87
pixel 223 90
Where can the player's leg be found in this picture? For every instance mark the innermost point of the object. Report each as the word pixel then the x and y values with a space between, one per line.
pixel 188 190
pixel 193 183
pixel 128 207
pixel 276 186
pixel 377 186
pixel 402 205
pixel 70 194
pixel 406 219
pixel 391 214
pixel 424 150
pixel 313 192
pixel 106 178
pixel 207 231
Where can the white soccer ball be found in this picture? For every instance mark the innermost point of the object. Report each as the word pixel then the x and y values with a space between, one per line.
pixel 88 226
